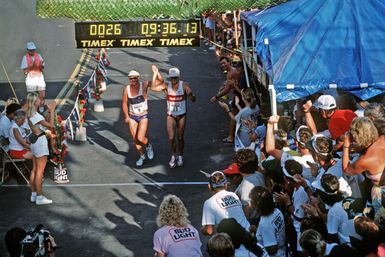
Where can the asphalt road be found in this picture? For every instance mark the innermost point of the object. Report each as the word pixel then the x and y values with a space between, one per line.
pixel 109 208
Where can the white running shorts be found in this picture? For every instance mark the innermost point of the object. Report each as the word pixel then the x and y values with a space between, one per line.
pixel 35 83
pixel 40 147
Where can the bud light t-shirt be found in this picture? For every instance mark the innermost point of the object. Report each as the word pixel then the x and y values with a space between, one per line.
pixel 178 241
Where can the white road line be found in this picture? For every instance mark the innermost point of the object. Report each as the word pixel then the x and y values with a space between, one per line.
pixel 118 184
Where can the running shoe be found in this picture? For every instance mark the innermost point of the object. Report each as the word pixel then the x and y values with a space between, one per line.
pixel 179 161
pixel 150 151
pixel 140 161
pixel 41 199
pixel 212 48
pixel 172 162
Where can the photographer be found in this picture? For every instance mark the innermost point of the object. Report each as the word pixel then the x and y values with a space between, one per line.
pixel 20 243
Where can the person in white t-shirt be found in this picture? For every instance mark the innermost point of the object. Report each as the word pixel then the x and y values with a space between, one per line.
pixel 302 136
pixel 39 148
pixel 176 236
pixel 244 243
pixel 247 162
pixel 223 204
pixel 328 190
pixel 19 147
pixel 271 229
pixel 6 120
pixel 314 245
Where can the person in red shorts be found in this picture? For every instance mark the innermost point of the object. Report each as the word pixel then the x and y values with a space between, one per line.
pixel 338 120
pixel 19 148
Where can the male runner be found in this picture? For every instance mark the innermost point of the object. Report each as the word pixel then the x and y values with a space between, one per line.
pixel 176 92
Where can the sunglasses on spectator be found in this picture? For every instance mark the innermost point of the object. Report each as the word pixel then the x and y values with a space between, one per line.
pixel 133 78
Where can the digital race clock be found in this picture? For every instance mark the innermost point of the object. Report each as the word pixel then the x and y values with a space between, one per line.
pixel 148 33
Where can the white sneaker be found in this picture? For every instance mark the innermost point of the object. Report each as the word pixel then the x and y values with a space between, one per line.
pixel 179 161
pixel 212 48
pixel 41 199
pixel 33 198
pixel 172 162
pixel 139 162
pixel 150 151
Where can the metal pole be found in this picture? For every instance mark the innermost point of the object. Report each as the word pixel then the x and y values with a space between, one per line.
pixel 273 102
pixel 236 29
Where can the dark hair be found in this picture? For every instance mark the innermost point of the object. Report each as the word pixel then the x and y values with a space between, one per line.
pixel 262 201
pixel 12 239
pixel 239 235
pixel 280 139
pixel 315 223
pixel 12 108
pixel 324 149
pixel 375 111
pixel 220 245
pixel 380 126
pixel 293 167
pixel 247 161
pixel 304 136
pixel 329 199
pixel 249 96
pixel 330 183
pixel 224 58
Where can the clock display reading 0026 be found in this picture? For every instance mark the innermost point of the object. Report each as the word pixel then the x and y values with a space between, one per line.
pixel 146 33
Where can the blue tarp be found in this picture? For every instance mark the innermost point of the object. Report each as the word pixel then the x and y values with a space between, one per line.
pixel 315 43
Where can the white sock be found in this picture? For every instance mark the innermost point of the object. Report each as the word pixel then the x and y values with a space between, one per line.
pixel 33 194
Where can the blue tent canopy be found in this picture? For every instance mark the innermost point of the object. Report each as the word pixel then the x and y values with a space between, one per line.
pixel 317 44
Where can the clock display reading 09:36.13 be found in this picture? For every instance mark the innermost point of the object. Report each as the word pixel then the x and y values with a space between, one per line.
pixel 168 28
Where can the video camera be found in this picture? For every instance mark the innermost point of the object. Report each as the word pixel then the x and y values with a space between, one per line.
pixel 35 244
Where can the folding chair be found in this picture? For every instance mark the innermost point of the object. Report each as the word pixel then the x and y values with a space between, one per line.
pixel 19 164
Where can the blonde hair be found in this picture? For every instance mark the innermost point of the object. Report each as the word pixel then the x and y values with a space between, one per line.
pixel 312 242
pixel 31 99
pixel 172 212
pixel 249 96
pixel 363 131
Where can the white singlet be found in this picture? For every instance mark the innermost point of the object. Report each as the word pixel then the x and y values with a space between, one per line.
pixel 138 103
pixel 176 100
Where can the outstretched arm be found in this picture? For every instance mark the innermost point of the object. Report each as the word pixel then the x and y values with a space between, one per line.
pixel 270 140
pixel 188 92
pixel 308 117
pixel 157 80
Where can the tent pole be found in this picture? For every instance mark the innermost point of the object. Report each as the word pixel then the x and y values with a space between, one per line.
pixel 273 102
pixel 236 29
pixel 244 54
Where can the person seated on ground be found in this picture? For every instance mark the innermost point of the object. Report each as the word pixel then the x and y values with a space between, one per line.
pixel 19 147
pixel 15 236
pixel 220 245
pixel 338 120
pixel 6 120
pixel 176 234
pixel 223 204
pixel 247 162
pixel 244 243
pixel 249 112
pixel 271 229
pixel 328 189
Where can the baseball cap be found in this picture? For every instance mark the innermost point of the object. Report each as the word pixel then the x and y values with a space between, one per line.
pixel 312 145
pixel 31 46
pixel 133 73
pixel 290 167
pixel 325 102
pixel 217 179
pixel 232 169
pixel 173 72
